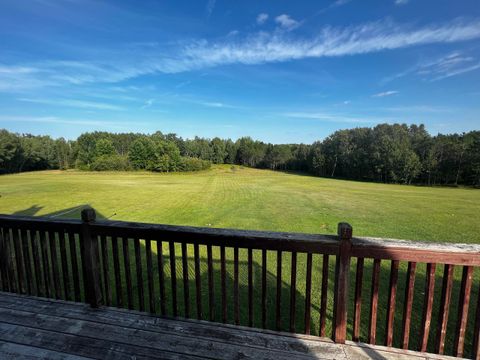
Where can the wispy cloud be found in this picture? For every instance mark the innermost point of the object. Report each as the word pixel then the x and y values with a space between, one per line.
pixel 210 7
pixel 262 18
pixel 74 103
pixel 333 117
pixel 333 5
pixel 58 120
pixel 385 93
pixel 443 67
pixel 255 48
pixel 401 2
pixel 148 103
pixel 286 22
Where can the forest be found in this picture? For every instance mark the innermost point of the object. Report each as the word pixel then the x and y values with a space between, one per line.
pixel 389 153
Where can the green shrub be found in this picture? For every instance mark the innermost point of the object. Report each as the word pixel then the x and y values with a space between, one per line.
pixel 111 163
pixel 194 164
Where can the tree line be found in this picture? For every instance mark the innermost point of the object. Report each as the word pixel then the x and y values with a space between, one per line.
pixel 390 153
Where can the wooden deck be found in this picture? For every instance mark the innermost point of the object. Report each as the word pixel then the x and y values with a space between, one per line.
pixel 37 328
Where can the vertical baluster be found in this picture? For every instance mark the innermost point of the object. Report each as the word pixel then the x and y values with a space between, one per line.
pixel 374 302
pixel 74 260
pixel 198 281
pixel 444 307
pixel 151 291
pixel 250 287
pixel 264 288
pixel 211 294
pixel 18 261
pixel 46 267
pixel 116 271
pixel 139 271
pixel 27 261
pixel 64 264
pixel 161 277
pixel 323 300
pixel 391 302
pixel 9 248
pixel 308 293
pixel 173 273
pixel 476 331
pixel 3 262
pixel 223 284
pixel 427 306
pixel 463 304
pixel 407 311
pixel 35 239
pixel 128 273
pixel 293 291
pixel 106 270
pixel 186 290
pixel 279 291
pixel 54 261
pixel 357 310
pixel 236 302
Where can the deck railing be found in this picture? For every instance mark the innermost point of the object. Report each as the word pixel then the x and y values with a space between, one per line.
pixel 280 281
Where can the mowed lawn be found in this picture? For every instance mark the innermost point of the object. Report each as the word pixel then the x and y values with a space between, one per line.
pixel 251 199
pixel 236 197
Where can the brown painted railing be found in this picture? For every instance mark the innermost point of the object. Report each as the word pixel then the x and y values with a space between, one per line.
pixel 135 265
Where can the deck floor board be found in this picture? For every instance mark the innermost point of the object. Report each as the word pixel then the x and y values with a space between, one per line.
pixel 37 328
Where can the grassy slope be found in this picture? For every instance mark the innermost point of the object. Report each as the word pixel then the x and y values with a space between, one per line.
pixel 253 199
pixel 265 200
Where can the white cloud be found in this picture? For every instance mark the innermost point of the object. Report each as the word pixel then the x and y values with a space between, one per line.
pixel 74 103
pixel 57 120
pixel 286 22
pixel 333 117
pixel 443 67
pixel 256 48
pixel 262 18
pixel 401 2
pixel 148 103
pixel 386 93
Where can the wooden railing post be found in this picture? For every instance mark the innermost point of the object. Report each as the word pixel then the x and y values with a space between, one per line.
pixel 91 260
pixel 342 275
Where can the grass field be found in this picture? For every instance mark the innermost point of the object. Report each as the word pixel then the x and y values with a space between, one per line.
pixel 252 199
pixel 265 200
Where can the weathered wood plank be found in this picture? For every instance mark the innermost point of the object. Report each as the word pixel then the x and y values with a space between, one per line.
pixel 105 270
pixel 391 302
pixel 10 350
pixel 34 240
pixel 407 310
pixel 427 306
pixel 357 309
pixel 45 263
pixel 463 304
pixel 17 248
pixel 374 302
pixel 27 262
pixel 444 307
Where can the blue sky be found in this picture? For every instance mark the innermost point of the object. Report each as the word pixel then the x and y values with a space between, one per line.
pixel 278 70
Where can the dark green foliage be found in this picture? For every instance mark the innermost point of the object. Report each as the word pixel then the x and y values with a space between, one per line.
pixel 395 153
pixel 112 162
